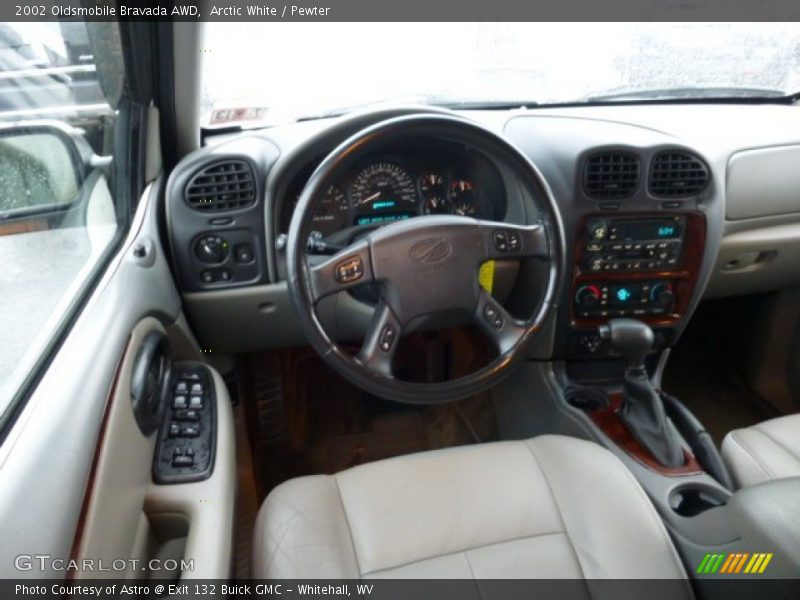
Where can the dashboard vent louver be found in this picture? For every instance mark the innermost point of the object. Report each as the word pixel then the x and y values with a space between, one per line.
pixel 223 185
pixel 676 173
pixel 611 175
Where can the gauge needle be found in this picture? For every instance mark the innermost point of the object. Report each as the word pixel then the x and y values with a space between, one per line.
pixel 371 198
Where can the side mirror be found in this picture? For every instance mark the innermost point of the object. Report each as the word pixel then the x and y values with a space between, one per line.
pixel 42 167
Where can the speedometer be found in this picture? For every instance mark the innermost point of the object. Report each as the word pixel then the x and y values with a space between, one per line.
pixel 383 186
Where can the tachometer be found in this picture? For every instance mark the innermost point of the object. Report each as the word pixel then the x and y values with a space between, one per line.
pixel 383 186
pixel 331 210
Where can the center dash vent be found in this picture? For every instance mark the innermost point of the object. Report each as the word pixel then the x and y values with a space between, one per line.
pixel 223 185
pixel 675 173
pixel 611 175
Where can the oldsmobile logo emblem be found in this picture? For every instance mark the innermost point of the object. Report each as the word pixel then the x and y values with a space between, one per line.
pixel 431 251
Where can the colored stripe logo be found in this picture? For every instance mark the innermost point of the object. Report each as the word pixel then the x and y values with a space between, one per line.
pixel 734 562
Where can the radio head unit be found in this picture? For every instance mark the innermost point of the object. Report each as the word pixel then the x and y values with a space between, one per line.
pixel 633 244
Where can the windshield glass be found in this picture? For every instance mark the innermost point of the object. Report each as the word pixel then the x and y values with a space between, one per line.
pixel 268 73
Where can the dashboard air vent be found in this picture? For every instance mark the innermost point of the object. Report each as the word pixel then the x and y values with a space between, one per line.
pixel 223 185
pixel 676 173
pixel 611 175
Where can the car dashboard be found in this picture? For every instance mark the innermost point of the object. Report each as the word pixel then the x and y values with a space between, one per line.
pixel 650 220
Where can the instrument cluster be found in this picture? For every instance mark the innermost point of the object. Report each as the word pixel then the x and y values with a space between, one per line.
pixel 408 183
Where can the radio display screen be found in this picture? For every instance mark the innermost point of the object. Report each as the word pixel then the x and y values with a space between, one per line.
pixel 647 230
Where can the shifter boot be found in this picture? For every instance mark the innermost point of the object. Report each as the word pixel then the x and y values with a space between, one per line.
pixel 644 416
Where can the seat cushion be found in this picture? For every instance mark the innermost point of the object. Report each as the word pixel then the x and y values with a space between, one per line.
pixel 769 450
pixel 550 507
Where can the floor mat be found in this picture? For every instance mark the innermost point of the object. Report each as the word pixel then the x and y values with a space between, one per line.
pixel 699 375
pixel 328 425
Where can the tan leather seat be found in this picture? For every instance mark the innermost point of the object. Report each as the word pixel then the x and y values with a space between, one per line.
pixel 549 507
pixel 769 450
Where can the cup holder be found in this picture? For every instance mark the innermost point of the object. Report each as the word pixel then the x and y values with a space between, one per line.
pixel 692 499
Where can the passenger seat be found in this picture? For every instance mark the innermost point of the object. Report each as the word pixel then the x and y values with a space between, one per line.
pixel 769 450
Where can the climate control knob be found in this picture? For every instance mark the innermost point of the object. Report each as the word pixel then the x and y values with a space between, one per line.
pixel 211 249
pixel 587 296
pixel 662 294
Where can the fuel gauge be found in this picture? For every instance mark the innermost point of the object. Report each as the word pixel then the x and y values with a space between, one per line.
pixel 462 197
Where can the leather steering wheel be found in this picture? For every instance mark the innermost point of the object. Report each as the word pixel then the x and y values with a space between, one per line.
pixel 423 266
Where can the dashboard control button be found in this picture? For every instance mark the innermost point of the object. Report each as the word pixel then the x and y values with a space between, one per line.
pixel 587 296
pixel 207 276
pixel 243 253
pixel 211 249
pixel 174 430
pixel 224 275
pixel 349 270
pixel 662 294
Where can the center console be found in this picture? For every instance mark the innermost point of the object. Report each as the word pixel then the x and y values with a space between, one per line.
pixel 644 266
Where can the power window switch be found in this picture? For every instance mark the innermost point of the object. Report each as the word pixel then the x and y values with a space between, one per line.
pixel 181 388
pixel 197 389
pixel 182 461
pixel 179 402
pixel 174 430
pixel 187 415
pixel 196 402
pixel 187 430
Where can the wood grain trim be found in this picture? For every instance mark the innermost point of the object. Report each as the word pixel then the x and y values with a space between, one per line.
pixel 27 226
pixel 684 279
pixel 610 423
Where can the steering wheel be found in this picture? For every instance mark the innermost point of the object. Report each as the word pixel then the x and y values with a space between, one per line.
pixel 423 266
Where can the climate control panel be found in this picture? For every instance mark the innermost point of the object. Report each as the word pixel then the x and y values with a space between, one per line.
pixel 600 299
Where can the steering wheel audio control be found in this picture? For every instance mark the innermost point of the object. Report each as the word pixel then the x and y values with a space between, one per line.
pixel 349 270
pixel 507 241
pixel 493 316
pixel 388 335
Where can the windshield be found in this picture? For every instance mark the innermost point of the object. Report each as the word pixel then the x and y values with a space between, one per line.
pixel 269 73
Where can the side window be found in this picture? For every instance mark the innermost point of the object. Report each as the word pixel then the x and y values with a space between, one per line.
pixel 60 85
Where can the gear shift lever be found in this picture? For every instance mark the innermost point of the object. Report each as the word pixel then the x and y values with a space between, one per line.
pixel 642 409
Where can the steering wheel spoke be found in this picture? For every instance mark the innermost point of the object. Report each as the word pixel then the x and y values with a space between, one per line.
pixel 504 240
pixel 345 269
pixel 502 328
pixel 381 340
